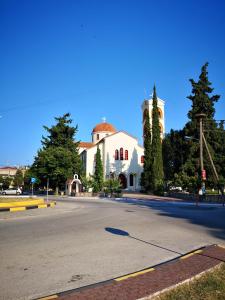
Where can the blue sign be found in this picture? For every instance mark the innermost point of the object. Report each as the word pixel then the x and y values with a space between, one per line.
pixel 33 180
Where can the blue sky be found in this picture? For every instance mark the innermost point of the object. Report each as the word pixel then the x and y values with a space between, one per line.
pixel 99 59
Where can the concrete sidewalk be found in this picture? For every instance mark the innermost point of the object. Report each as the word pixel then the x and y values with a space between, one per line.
pixel 150 281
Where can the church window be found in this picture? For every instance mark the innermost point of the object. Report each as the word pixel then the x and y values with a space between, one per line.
pixel 116 154
pixel 97 136
pixel 131 180
pixel 121 153
pixel 126 154
pixel 142 159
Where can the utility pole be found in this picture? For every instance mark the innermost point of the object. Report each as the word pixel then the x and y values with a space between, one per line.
pixel 200 118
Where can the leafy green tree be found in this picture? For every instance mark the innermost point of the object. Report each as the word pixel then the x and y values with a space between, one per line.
pixel 58 160
pixel 112 186
pixel 98 175
pixel 203 102
pixel 174 149
pixel 29 173
pixel 5 182
pixel 157 161
pixel 18 178
pixel 147 168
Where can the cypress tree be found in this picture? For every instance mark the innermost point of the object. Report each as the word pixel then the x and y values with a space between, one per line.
pixel 157 162
pixel 147 169
pixel 98 175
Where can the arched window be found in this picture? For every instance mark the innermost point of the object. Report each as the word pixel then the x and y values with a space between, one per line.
pixel 126 154
pixel 160 113
pixel 161 128
pixel 142 159
pixel 131 180
pixel 121 153
pixel 116 154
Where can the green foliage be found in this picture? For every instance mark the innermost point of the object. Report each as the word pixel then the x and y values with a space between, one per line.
pixel 147 168
pixel 27 179
pixel 58 160
pixel 174 150
pixel 112 186
pixel 209 286
pixel 181 156
pixel 157 161
pixel 18 178
pixel 5 182
pixel 202 102
pixel 98 175
pixel 87 183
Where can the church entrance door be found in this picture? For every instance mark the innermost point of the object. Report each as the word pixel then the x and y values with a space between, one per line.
pixel 123 181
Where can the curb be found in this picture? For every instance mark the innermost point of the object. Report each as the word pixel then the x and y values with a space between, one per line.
pixel 129 279
pixel 27 207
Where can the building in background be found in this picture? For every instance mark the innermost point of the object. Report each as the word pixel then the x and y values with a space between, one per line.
pixel 122 156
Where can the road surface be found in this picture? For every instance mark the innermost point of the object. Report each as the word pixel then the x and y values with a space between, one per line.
pixel 84 241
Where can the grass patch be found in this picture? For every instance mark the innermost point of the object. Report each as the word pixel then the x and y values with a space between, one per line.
pixel 210 286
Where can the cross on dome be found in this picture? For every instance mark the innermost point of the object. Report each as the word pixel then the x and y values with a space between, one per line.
pixel 104 119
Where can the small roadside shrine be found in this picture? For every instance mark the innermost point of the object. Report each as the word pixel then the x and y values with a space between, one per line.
pixel 73 186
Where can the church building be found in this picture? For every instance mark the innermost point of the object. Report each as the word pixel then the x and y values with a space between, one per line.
pixel 122 156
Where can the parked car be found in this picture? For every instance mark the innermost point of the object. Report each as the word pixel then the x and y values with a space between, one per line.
pixel 12 191
pixel 176 188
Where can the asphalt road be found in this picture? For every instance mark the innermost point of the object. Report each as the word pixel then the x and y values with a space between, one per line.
pixel 83 241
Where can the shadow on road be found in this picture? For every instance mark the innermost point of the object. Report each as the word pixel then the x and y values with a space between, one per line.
pixel 125 233
pixel 117 231
pixel 210 216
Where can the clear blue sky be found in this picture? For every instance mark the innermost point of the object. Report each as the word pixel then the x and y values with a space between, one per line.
pixel 97 58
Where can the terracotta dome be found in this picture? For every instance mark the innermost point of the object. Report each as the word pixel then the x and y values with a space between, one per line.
pixel 104 127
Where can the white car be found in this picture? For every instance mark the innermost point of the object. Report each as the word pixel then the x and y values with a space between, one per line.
pixel 176 188
pixel 12 191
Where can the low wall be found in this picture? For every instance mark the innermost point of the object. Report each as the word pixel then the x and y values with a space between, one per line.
pixel 193 197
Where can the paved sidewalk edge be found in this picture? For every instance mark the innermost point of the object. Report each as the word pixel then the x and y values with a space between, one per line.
pixel 130 275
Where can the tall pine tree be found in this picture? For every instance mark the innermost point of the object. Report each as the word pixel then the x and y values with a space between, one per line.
pixel 202 102
pixel 157 161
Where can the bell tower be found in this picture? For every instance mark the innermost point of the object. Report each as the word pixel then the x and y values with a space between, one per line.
pixel 147 106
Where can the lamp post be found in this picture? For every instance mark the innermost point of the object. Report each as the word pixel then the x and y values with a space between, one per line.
pixel 47 187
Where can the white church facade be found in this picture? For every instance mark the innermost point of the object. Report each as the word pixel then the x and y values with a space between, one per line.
pixel 122 156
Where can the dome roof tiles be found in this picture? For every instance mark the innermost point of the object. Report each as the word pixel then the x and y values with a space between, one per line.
pixel 104 127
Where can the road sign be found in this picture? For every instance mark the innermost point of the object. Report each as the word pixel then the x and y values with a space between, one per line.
pixel 203 174
pixel 33 180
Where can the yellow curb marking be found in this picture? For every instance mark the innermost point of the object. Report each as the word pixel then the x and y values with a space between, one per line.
pixel 17 208
pixel 134 274
pixel 198 251
pixel 21 203
pixel 190 254
pixel 42 206
pixel 49 297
